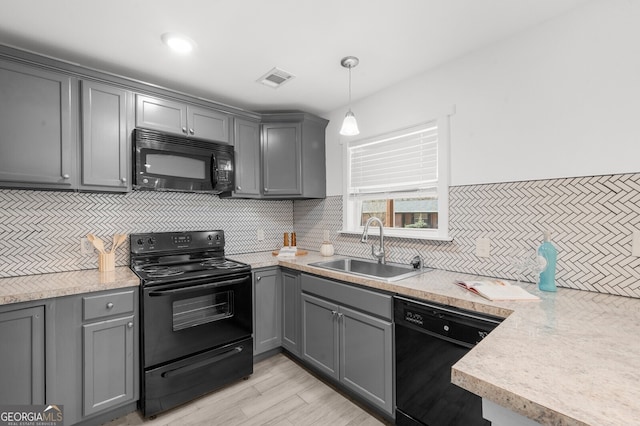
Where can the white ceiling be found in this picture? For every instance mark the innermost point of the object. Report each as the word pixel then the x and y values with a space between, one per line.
pixel 240 40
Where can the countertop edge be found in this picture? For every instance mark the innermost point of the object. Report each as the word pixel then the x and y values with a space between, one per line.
pixel 31 288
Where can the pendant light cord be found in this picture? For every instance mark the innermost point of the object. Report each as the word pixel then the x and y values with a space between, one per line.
pixel 350 88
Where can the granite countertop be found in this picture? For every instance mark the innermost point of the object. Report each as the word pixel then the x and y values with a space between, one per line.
pixel 571 358
pixel 45 286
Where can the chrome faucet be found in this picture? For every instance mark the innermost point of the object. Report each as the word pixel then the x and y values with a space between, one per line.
pixel 379 254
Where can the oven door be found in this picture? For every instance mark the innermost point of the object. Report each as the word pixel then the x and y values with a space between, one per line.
pixel 181 319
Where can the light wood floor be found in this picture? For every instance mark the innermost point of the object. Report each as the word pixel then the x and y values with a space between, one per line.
pixel 279 392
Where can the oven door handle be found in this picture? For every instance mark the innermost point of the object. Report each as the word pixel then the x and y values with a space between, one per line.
pixel 187 368
pixel 158 293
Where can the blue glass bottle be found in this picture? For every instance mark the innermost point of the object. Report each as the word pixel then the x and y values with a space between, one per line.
pixel 548 275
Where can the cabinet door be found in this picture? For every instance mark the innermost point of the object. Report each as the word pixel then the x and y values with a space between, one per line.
pixel 208 124
pixel 366 350
pixel 247 157
pixel 22 357
pixel 267 328
pixel 161 114
pixel 320 334
pixel 37 144
pixel 105 153
pixel 108 368
pixel 291 311
pixel 281 159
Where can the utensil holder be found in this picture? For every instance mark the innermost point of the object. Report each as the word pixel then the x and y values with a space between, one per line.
pixel 106 262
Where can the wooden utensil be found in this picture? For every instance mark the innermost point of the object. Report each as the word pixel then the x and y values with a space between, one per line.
pixel 97 243
pixel 117 240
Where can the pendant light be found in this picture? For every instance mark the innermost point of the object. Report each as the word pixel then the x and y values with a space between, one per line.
pixel 349 125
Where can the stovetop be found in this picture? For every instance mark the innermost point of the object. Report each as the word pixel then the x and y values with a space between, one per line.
pixel 181 256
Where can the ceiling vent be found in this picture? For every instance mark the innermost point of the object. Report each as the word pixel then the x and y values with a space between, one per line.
pixel 275 78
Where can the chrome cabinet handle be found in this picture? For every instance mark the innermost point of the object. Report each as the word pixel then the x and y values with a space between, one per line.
pixel 65 176
pixel 109 305
pixel 259 278
pixel 123 180
pixel 184 130
pixel 130 324
pixel 334 313
pixel 340 315
pixel 192 131
pixel 238 188
pixel 266 190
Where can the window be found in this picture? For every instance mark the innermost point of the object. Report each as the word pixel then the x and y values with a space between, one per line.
pixel 402 179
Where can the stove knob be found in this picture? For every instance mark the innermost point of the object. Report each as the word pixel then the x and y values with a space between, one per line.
pixel 140 241
pixel 152 241
pixel 210 237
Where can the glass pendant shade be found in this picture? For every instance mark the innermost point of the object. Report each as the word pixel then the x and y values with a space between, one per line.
pixel 349 125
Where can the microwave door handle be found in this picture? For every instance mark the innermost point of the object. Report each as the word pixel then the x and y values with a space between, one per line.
pixel 214 171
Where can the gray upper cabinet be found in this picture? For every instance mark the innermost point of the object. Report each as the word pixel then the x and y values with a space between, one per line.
pixel 281 159
pixel 161 114
pixel 267 317
pixel 105 145
pixel 182 119
pixel 37 128
pixel 22 355
pixel 205 123
pixel 293 155
pixel 247 157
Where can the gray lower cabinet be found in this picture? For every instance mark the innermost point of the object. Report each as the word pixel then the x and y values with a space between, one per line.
pixel 291 308
pixel 267 306
pixel 96 357
pixel 37 122
pixel 347 334
pixel 106 116
pixel 108 364
pixel 320 334
pixel 180 118
pixel 22 355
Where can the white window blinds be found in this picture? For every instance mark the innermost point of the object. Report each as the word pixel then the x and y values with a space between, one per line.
pixel 402 162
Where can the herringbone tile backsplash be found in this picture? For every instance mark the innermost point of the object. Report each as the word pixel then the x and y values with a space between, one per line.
pixel 591 218
pixel 40 231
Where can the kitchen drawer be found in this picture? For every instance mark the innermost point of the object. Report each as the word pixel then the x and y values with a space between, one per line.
pixel 106 305
pixel 366 300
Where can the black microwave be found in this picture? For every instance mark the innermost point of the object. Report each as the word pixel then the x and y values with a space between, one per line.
pixel 166 162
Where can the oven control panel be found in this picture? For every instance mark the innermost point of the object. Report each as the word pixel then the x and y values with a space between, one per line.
pixel 168 241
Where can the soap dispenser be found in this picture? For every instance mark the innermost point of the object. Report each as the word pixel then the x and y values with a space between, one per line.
pixel 549 253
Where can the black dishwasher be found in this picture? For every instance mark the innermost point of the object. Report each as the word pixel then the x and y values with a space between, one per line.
pixel 430 338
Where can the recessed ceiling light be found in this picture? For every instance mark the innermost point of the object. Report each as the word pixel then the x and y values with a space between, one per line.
pixel 178 42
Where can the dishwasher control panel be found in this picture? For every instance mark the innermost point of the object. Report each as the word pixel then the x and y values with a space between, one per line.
pixel 465 327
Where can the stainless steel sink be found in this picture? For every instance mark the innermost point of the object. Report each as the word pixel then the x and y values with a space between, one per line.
pixel 371 269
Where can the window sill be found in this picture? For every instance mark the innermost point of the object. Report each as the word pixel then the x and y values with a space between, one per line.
pixel 400 234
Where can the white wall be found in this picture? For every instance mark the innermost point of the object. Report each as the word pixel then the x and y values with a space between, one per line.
pixel 559 100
